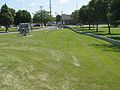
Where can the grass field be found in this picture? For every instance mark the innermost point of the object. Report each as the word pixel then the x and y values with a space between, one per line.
pixel 10 29
pixel 14 29
pixel 58 60
pixel 103 31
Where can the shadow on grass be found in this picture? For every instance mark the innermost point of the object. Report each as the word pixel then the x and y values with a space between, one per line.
pixel 88 28
pixel 108 34
pixel 107 47
pixel 116 38
pixel 84 28
pixel 94 32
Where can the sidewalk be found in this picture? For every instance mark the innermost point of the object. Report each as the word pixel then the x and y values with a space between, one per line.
pixel 47 28
pixel 8 32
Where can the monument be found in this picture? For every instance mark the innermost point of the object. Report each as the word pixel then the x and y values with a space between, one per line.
pixel 24 29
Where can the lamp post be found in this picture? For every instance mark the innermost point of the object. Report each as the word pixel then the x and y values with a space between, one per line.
pixel 50 6
pixel 50 9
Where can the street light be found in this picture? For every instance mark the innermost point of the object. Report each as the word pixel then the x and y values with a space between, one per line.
pixel 50 9
pixel 50 6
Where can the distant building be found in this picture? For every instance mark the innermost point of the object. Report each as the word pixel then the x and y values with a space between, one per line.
pixel 67 19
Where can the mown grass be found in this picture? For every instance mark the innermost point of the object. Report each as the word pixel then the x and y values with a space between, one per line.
pixel 9 30
pixel 15 29
pixel 103 31
pixel 58 60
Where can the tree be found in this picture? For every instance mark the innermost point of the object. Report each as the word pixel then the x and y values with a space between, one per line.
pixel 90 15
pixel 58 18
pixel 115 12
pixel 106 13
pixel 86 15
pixel 22 16
pixel 75 16
pixel 42 17
pixel 83 17
pixel 96 6
pixel 6 18
pixel 101 11
pixel 53 19
pixel 13 13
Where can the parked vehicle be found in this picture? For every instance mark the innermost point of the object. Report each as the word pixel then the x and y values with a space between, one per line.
pixel 36 25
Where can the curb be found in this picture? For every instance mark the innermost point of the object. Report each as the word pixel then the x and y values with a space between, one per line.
pixel 98 37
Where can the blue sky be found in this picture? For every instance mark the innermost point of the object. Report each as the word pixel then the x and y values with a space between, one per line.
pixel 64 6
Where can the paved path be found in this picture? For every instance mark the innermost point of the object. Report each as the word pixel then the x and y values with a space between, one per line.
pixel 47 28
pixel 8 32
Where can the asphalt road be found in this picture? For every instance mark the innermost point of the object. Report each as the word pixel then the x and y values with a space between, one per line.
pixel 47 28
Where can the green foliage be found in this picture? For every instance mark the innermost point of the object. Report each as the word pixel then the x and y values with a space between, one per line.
pixel 75 16
pixel 22 16
pixel 41 17
pixel 86 15
pixel 115 10
pixel 82 14
pixel 53 19
pixel 13 12
pixel 6 18
pixel 96 11
pixel 103 8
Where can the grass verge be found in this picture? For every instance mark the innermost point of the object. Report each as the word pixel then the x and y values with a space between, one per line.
pixel 103 31
pixel 58 60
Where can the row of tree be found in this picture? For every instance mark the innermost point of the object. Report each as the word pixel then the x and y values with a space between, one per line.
pixel 99 11
pixel 43 17
pixel 8 16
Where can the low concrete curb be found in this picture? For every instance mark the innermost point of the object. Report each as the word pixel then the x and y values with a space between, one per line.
pixel 98 37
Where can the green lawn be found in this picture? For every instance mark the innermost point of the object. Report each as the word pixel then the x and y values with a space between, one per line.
pixel 103 31
pixel 10 29
pixel 58 60
pixel 14 29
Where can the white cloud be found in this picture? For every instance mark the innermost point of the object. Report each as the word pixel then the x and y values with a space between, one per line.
pixel 64 1
pixel 20 0
pixel 32 4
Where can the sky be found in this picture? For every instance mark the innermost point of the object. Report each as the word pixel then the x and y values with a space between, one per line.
pixel 58 6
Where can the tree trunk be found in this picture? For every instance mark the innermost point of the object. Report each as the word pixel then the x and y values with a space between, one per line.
pixel 45 24
pixel 108 23
pixel 97 27
pixel 89 26
pixel 93 26
pixel 6 29
pixel 96 24
pixel 109 31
